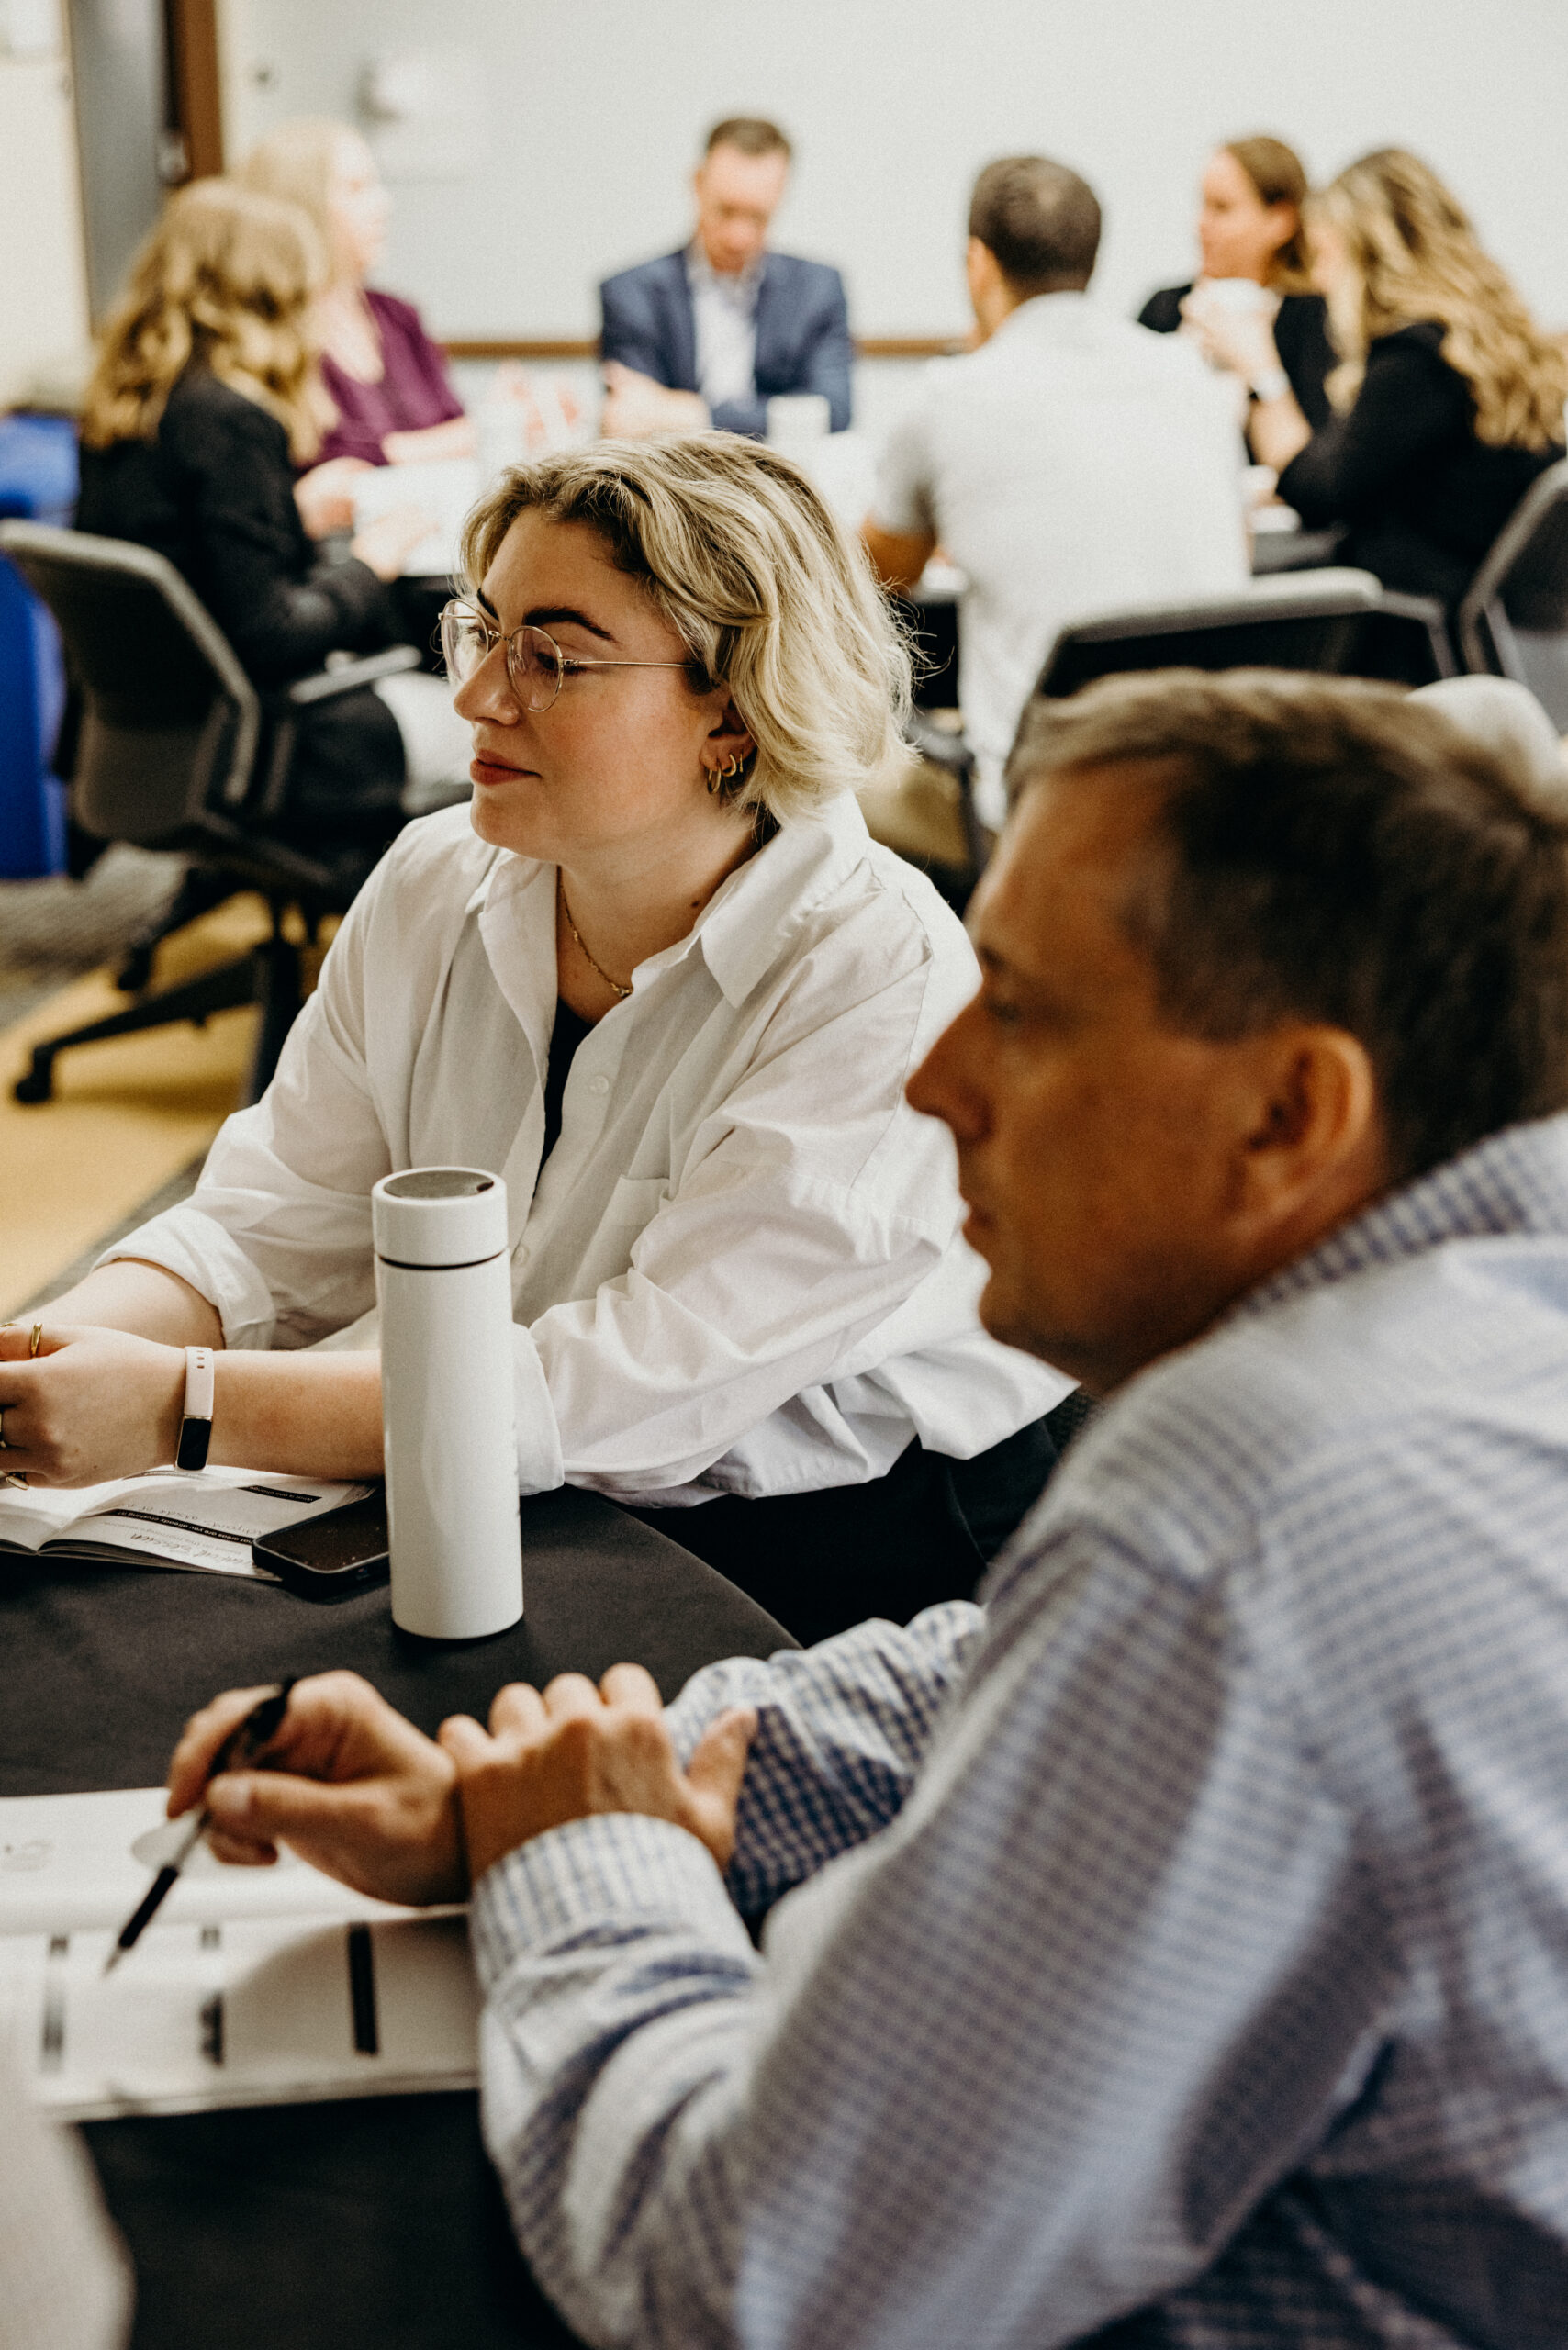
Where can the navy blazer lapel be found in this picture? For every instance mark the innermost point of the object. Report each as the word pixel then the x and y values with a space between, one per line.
pixel 681 325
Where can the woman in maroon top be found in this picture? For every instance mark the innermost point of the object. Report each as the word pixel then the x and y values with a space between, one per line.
pixel 386 378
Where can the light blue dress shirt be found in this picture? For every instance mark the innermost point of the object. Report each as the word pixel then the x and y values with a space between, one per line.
pixel 1179 1956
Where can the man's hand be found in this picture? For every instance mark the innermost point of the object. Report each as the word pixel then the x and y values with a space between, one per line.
pixel 578 1750
pixel 347 1783
pixel 637 408
pixel 92 1404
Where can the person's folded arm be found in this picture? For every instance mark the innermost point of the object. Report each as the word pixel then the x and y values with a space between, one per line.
pixel 1409 404
pixel 841 1730
pixel 282 623
pixel 996 2074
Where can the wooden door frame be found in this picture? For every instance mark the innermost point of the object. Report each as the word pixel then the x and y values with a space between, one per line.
pixel 195 83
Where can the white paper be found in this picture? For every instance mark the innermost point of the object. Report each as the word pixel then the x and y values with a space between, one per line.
pixel 204 1522
pixel 239 1992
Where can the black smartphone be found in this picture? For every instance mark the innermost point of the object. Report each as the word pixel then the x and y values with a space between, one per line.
pixel 332 1556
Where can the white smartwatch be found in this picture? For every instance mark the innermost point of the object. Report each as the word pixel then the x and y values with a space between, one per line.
pixel 195 1428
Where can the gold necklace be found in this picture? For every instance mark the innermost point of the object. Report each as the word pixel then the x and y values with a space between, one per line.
pixel 576 933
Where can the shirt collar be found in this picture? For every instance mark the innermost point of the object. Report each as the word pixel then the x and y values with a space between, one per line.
pixel 749 924
pixel 703 278
pixel 1515 1182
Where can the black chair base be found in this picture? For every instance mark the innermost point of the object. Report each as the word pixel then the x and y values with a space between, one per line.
pixel 270 975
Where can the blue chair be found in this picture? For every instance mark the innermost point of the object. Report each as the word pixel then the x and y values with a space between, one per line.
pixel 37 483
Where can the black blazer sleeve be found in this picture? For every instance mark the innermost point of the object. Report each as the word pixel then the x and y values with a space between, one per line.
pixel 1411 403
pixel 281 606
pixel 1308 358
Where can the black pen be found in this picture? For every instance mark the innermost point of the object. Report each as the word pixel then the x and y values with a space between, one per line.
pixel 246 1738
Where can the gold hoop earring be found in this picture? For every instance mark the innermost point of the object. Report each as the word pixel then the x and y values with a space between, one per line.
pixel 718 776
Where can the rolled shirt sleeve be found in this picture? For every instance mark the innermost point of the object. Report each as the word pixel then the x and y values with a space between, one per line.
pixel 779 1302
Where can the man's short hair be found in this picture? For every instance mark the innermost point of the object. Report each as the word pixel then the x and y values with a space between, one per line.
pixel 1040 221
pixel 1330 851
pixel 751 134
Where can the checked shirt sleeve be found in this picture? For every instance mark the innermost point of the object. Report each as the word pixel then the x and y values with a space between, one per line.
pixel 842 1728
pixel 995 2077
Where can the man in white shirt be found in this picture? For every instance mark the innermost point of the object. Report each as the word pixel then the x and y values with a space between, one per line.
pixel 1073 464
pixel 706 336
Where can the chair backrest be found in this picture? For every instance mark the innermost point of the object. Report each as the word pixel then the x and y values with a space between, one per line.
pixel 1308 619
pixel 170 723
pixel 1513 619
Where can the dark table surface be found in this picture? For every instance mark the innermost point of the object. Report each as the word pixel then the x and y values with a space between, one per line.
pixel 376 2221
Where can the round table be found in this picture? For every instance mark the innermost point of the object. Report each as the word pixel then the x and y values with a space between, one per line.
pixel 370 2223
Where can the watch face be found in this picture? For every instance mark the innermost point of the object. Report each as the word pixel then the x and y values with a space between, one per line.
pixel 195 1437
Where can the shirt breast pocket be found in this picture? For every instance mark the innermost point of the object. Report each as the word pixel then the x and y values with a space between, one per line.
pixel 634 1203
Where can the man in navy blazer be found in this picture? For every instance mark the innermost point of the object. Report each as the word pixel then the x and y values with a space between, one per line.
pixel 710 334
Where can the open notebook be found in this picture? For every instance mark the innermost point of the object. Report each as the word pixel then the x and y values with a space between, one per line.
pixel 252 1986
pixel 206 1522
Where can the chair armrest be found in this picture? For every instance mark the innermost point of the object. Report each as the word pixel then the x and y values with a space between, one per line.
pixel 347 677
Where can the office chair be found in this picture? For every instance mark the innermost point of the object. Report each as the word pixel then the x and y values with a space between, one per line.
pixel 1513 619
pixel 178 751
pixel 1321 620
pixel 1311 620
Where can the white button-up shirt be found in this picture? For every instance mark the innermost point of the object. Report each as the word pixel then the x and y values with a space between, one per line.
pixel 740 1269
pixel 723 318
pixel 1074 464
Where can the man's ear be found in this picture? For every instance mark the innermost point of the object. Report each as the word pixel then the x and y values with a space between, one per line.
pixel 1316 1138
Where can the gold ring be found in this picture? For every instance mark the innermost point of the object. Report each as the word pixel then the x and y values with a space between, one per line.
pixel 35 1341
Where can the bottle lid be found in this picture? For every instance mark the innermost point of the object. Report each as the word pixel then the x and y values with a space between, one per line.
pixel 439 1215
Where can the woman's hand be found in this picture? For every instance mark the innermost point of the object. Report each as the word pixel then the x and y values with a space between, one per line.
pixel 577 1750
pixel 325 494
pixel 1240 342
pixel 428 444
pixel 346 1783
pixel 91 1404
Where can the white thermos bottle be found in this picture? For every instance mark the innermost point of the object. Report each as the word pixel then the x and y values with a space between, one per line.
pixel 442 1279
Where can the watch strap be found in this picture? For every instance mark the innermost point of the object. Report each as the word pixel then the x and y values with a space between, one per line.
pixel 196 1425
pixel 1270 384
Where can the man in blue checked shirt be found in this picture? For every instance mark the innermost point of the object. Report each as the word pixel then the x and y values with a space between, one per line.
pixel 1172 1950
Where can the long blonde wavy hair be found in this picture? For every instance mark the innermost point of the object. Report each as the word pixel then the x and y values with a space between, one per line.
pixel 1413 256
pixel 295 162
pixel 225 281
pixel 734 546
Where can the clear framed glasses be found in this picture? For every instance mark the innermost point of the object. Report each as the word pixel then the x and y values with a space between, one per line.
pixel 535 662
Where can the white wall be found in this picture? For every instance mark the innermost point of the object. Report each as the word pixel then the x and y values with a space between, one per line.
pixel 43 286
pixel 585 116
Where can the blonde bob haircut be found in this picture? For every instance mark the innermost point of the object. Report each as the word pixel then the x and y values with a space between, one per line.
pixel 296 162
pixel 734 546
pixel 225 281
pixel 1413 254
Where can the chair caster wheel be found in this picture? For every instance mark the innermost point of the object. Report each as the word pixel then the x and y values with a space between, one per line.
pixel 38 1085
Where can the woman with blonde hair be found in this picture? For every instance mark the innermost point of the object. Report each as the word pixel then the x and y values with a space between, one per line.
pixel 1450 400
pixel 389 398
pixel 204 395
pixel 660 978
pixel 1253 249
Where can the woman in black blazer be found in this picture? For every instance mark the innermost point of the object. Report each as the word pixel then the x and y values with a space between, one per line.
pixel 205 392
pixel 1249 232
pixel 1451 399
